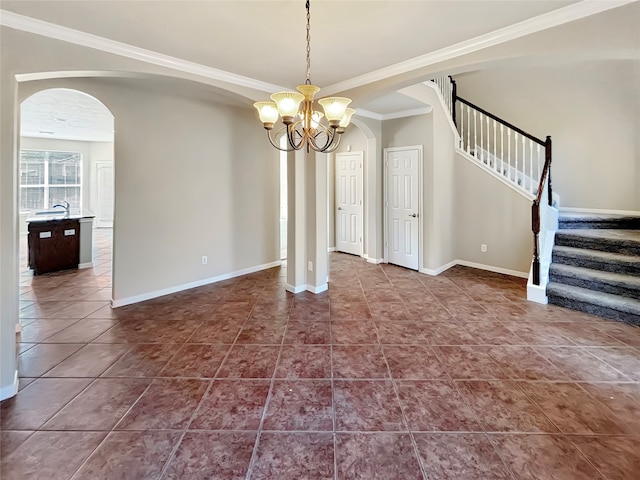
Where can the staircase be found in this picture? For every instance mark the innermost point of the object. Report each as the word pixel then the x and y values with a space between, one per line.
pixel 596 266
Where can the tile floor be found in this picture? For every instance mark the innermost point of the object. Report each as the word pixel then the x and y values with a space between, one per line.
pixel 389 375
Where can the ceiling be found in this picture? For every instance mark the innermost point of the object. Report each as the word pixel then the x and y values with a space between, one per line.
pixel 265 40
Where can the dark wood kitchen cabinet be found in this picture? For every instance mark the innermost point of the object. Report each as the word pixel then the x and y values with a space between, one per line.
pixel 54 245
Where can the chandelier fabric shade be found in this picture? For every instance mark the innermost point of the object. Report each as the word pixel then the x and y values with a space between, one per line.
pixel 301 122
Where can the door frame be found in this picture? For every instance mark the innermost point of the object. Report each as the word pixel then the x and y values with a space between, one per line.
pixel 361 200
pixel 96 188
pixel 385 210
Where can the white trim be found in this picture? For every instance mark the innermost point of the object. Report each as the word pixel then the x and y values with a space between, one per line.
pixel 491 268
pixel 369 114
pixel 393 115
pixel 596 211
pixel 439 270
pixel 77 37
pixel 473 160
pixel 19 326
pixel 186 286
pixel 537 293
pixel 10 390
pixel 322 288
pixel 375 261
pixel 85 265
pixel 479 266
pixel 517 30
pixel 331 249
pixel 292 289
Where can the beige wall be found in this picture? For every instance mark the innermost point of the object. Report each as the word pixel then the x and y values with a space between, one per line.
pixel 592 111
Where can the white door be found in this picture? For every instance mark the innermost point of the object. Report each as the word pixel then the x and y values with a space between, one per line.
pixel 104 204
pixel 349 202
pixel 402 201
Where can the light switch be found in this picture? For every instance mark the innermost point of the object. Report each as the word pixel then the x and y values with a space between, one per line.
pixel 45 234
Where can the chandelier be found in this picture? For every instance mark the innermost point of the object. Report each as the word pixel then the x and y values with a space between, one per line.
pixel 301 124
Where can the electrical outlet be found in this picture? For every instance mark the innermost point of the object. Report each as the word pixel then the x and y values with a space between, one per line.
pixel 310 266
pixel 204 259
pixel 483 248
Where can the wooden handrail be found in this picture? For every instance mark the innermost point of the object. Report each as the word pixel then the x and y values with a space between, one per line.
pixel 498 119
pixel 535 209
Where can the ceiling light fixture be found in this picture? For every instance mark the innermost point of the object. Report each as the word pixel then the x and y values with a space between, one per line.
pixel 302 124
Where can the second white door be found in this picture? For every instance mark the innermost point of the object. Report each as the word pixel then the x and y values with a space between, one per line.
pixel 349 202
pixel 403 235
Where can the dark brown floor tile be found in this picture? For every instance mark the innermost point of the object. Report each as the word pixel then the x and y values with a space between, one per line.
pixel 367 406
pixel 572 409
pixel 469 456
pixel 129 455
pixel 524 363
pixel 448 333
pixel 51 455
pixel 232 405
pixel 349 311
pixel 150 331
pixel 469 363
pixel 77 310
pixel 626 360
pixel 501 406
pixel 308 333
pixel 414 362
pixel 249 361
pixel 90 361
pixel 262 333
pixel 209 455
pixel 34 405
pixel 167 404
pixel 431 406
pixel 627 334
pixel 623 399
pixel 539 333
pixel 195 361
pixel 588 334
pixel 354 332
pixel 381 456
pixel 390 312
pixel 216 332
pixel 536 457
pixel 142 361
pixel 41 358
pixel 83 331
pixel 10 440
pixel 304 361
pixel 294 455
pixel 361 361
pixel 578 364
pixel 300 405
pixel 617 458
pixel 23 347
pixel 24 381
pixel 39 330
pixel 100 406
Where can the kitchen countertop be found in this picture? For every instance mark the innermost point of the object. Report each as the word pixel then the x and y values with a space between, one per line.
pixel 33 217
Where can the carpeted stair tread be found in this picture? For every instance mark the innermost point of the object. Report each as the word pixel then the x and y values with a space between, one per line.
pixel 606 305
pixel 597 259
pixel 602 221
pixel 626 242
pixel 607 282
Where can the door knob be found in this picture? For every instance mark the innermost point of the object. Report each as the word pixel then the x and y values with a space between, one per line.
pixel 414 215
pixel 339 208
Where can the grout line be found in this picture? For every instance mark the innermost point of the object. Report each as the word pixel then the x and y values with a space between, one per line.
pixel 333 398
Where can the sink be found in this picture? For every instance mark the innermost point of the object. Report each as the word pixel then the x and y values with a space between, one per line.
pixel 51 212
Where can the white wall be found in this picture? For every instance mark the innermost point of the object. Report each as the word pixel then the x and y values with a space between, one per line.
pixel 591 110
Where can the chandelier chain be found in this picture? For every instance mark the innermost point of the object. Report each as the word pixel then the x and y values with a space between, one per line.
pixel 308 81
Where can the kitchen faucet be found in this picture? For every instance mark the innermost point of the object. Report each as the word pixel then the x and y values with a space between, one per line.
pixel 64 205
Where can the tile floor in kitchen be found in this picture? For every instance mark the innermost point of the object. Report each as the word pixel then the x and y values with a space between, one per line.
pixel 389 375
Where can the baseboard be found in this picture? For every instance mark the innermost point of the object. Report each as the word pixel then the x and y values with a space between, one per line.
pixel 331 249
pixel 186 286
pixel 85 265
pixel 491 268
pixel 596 211
pixel 375 261
pixel 10 390
pixel 537 293
pixel 439 270
pixel 479 266
pixel 18 326
pixel 292 289
pixel 318 289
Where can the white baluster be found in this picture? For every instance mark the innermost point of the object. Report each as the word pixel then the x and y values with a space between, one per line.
pixel 515 149
pixel 539 166
pixel 468 129
pixel 531 165
pixel 481 138
pixel 502 149
pixel 475 134
pixel 509 153
pixel 462 126
pixel 495 156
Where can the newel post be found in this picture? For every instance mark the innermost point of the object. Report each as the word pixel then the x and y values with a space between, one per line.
pixel 547 159
pixel 535 226
pixel 454 97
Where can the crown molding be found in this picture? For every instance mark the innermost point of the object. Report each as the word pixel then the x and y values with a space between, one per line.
pixel 563 15
pixel 390 116
pixel 77 37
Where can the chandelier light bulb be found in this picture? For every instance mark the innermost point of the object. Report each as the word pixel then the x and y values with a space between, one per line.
pixel 334 108
pixel 346 118
pixel 288 104
pixel 268 112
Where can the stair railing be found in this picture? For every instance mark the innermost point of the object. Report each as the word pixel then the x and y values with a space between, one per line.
pixel 507 150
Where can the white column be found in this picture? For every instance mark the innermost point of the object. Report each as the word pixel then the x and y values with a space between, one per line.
pixel 296 248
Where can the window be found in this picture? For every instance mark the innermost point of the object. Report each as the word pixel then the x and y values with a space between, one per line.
pixel 47 178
